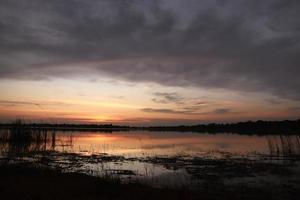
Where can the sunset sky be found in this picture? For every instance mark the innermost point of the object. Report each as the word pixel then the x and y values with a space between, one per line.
pixel 149 62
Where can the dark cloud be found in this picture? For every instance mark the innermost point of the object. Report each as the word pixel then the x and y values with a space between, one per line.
pixel 236 45
pixel 13 103
pixel 222 111
pixel 33 103
pixel 202 103
pixel 191 110
pixel 164 110
pixel 167 97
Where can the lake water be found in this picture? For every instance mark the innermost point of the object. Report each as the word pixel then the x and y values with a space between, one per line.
pixel 159 157
pixel 144 143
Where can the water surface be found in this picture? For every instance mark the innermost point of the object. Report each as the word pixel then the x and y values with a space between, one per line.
pixel 159 157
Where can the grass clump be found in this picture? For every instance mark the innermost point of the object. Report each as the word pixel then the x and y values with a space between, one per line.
pixel 19 133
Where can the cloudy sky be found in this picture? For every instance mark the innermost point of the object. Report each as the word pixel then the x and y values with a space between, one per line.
pixel 149 62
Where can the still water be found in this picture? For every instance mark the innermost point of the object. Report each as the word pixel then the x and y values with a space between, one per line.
pixel 145 143
pixel 159 157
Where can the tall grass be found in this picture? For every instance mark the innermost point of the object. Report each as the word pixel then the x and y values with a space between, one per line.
pixel 19 133
pixel 23 139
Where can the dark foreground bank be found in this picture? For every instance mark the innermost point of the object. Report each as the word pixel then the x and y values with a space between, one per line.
pixel 26 182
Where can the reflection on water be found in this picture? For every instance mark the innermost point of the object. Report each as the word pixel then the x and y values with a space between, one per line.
pixel 38 141
pixel 146 143
pixel 152 155
pixel 285 146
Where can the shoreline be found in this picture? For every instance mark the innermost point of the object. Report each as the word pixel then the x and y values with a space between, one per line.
pixel 286 127
pixel 27 182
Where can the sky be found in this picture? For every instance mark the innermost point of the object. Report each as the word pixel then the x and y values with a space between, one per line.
pixel 149 62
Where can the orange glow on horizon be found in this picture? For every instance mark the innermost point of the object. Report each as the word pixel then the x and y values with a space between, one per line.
pixel 81 101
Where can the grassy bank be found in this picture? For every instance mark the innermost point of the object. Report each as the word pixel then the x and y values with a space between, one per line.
pixel 20 182
pixel 25 182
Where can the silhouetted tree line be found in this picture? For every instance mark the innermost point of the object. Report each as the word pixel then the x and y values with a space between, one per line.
pixel 46 126
pixel 249 127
